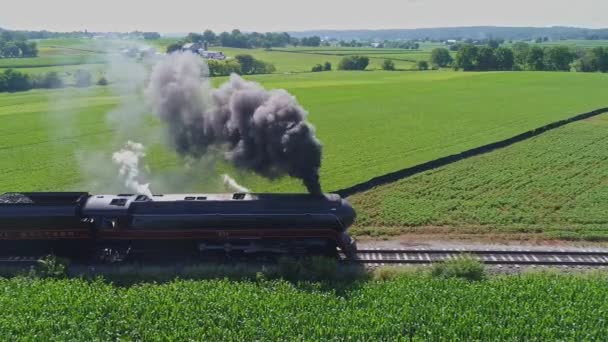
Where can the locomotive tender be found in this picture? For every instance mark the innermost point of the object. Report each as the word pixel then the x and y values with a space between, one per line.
pixel 77 223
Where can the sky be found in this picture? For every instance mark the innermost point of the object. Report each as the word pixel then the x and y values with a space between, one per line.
pixel 287 15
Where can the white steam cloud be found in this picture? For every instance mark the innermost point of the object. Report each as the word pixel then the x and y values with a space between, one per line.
pixel 127 160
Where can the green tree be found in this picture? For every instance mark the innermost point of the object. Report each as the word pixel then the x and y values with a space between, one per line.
pixel 26 49
pixel 467 58
pixel 535 59
pixel 311 41
pixel 597 59
pixel 16 81
pixel 327 66
pixel 441 57
pixel 353 63
pixel 388 65
pixel 422 65
pixel 558 58
pixel 486 60
pixel 11 50
pixel 194 37
pixel 209 36
pixel 247 63
pixel 223 68
pixel 261 67
pixel 32 50
pixel 504 58
pixel 520 54
pixel 317 68
pixel 250 65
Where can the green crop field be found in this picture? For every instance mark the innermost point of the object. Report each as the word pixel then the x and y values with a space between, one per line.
pixel 296 62
pixel 65 71
pixel 403 59
pixel 370 123
pixel 414 307
pixel 46 61
pixel 374 123
pixel 67 55
pixel 555 184
pixel 371 52
pixel 580 43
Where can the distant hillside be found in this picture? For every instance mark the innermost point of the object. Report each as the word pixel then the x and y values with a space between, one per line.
pixel 473 32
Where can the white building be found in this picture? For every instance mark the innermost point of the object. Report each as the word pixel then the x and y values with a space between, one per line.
pixel 213 55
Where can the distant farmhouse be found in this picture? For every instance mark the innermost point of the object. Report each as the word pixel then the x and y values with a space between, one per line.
pixel 201 49
pixel 213 55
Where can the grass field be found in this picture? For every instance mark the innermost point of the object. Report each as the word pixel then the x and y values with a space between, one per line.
pixel 412 307
pixel 46 61
pixel 296 61
pixel 580 43
pixel 370 123
pixel 88 54
pixel 555 184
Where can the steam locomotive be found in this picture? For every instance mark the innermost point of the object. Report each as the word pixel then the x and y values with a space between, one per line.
pixel 77 224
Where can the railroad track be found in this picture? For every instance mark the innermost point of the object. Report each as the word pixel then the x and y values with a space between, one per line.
pixel 428 256
pixel 492 257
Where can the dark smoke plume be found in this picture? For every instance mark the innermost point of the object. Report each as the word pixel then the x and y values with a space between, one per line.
pixel 259 130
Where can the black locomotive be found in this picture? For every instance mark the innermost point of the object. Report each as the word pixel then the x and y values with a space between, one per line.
pixel 77 223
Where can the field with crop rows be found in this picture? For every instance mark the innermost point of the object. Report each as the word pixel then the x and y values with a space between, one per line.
pixel 50 61
pixel 555 184
pixel 543 307
pixel 287 61
pixel 407 55
pixel 65 56
pixel 370 123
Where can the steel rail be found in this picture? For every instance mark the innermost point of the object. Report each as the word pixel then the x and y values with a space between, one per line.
pixel 491 257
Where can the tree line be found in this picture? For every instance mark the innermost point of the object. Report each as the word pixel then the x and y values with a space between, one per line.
pixel 238 39
pixel 242 64
pixel 522 56
pixel 12 80
pixel 14 45
pixel 461 33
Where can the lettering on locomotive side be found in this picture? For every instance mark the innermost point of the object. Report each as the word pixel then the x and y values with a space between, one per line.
pixel 37 234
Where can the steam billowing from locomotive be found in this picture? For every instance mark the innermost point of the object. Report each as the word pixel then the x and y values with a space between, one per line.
pixel 127 160
pixel 256 129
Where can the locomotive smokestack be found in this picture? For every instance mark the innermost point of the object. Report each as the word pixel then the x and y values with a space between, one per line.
pixel 258 130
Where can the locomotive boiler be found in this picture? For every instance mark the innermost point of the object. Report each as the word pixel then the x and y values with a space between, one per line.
pixel 79 224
